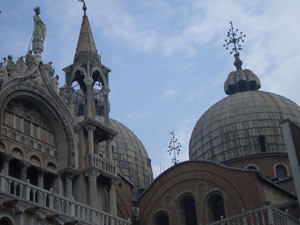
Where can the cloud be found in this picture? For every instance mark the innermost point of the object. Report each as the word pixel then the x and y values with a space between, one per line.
pixel 167 94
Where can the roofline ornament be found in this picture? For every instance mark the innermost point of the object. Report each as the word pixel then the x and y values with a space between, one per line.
pixel 84 8
pixel 235 39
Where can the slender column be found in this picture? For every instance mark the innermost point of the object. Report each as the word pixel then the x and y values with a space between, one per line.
pixel 69 185
pixel 89 97
pixel 112 198
pixel 60 186
pixel 106 105
pixel 24 169
pixel 41 178
pixel 90 129
pixel 93 194
pixel 6 162
pixel 109 149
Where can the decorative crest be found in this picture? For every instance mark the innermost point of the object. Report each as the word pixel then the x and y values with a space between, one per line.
pixel 234 38
pixel 174 147
pixel 83 7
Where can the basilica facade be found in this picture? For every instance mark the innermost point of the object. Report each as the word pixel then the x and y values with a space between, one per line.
pixel 63 160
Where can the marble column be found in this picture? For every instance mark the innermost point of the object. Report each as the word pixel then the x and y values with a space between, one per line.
pixel 112 198
pixel 109 149
pixel 60 185
pixel 106 105
pixel 6 162
pixel 93 194
pixel 41 178
pixel 90 129
pixel 24 169
pixel 69 185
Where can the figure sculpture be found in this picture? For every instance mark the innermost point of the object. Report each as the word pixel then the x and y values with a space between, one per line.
pixel 30 62
pixel 39 32
pixel 50 69
pixel 11 67
pixel 21 67
pixel 3 71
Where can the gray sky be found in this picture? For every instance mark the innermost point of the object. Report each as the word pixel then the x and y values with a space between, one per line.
pixel 166 56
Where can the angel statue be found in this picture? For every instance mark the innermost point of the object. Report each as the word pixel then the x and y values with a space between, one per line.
pixel 39 32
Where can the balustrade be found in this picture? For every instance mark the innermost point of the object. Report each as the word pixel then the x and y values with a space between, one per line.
pixel 55 203
pixel 267 215
pixel 103 164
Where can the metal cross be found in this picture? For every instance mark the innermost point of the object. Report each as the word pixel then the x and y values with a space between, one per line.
pixel 234 38
pixel 174 147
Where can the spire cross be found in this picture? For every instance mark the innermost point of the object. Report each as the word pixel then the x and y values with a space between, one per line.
pixel 83 7
pixel 234 38
pixel 174 147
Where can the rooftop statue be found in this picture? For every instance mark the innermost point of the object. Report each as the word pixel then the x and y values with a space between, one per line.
pixel 39 32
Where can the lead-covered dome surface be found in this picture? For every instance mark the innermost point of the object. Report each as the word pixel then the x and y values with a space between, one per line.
pixel 233 126
pixel 131 156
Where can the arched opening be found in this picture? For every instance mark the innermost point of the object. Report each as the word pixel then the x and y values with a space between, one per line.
pixel 188 210
pixel 215 207
pixel 49 179
pixel 14 169
pixel 251 168
pixel 262 143
pixel 161 219
pixel 281 171
pixel 33 175
pixel 6 221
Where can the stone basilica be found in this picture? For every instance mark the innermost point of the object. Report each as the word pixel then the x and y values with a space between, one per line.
pixel 64 161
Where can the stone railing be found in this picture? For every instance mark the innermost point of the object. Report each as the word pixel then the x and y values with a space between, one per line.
pixel 267 215
pixel 102 164
pixel 52 206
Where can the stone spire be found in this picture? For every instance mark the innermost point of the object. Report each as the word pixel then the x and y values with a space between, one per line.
pixel 86 48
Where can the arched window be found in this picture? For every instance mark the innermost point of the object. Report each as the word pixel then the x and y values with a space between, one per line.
pixel 6 221
pixel 188 210
pixel 161 219
pixel 14 169
pixel 215 207
pixel 262 143
pixel 281 171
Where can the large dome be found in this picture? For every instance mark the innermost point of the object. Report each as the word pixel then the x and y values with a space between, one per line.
pixel 238 124
pixel 131 156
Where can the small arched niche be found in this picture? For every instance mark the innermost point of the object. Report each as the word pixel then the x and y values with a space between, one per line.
pixel 161 218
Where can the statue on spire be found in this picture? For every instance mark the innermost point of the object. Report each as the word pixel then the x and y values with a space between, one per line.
pixel 235 39
pixel 39 32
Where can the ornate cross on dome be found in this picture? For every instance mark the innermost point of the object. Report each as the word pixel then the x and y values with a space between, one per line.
pixel 84 6
pixel 234 38
pixel 174 148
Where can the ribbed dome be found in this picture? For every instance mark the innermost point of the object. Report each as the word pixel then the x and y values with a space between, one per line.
pixel 236 125
pixel 131 156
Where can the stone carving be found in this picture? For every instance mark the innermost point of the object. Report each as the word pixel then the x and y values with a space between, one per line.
pixel 21 67
pixel 30 61
pixel 39 32
pixel 11 67
pixel 3 72
pixel 50 69
pixel 65 93
pixel 54 82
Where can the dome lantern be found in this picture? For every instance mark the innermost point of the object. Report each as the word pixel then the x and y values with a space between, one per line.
pixel 239 80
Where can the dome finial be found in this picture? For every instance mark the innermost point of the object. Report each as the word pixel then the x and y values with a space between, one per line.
pixel 234 38
pixel 83 7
